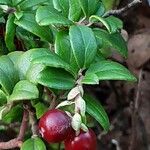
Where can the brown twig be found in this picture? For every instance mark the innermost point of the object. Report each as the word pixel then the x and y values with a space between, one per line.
pixel 122 10
pixel 33 122
pixel 135 112
pixel 17 142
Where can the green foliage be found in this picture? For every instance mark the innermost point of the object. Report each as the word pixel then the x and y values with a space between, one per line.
pixel 33 144
pixel 96 110
pixel 57 48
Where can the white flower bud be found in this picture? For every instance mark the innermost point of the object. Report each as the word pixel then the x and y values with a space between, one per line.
pixel 76 122
pixel 73 93
pixel 65 103
pixel 80 105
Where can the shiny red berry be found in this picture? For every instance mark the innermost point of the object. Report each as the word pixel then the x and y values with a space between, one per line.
pixel 84 141
pixel 54 126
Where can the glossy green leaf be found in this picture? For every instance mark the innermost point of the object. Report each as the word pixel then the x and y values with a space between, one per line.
pixel 3 98
pixel 56 78
pixel 8 74
pixel 49 58
pixel 96 110
pixel 107 70
pixel 46 15
pixel 89 7
pixel 74 10
pixel 27 22
pixel 33 144
pixel 114 40
pixel 62 6
pixel 40 109
pixel 112 23
pixel 31 3
pixel 24 90
pixel 84 48
pixel 10 33
pixel 64 50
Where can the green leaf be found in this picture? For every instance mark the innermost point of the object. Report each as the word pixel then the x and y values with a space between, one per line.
pixel 63 49
pixel 47 15
pixel 3 98
pixel 27 22
pixel 84 48
pixel 89 7
pixel 74 10
pixel 14 114
pixel 108 70
pixel 114 40
pixel 10 33
pixel 56 78
pixel 5 2
pixel 34 71
pixel 24 90
pixel 112 23
pixel 15 56
pixel 101 9
pixel 50 59
pixel 62 6
pixel 8 74
pixel 5 109
pixel 96 110
pixel 40 109
pixel 33 144
pixel 30 3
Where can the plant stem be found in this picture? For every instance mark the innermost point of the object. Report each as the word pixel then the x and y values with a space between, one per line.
pixel 17 142
pixel 122 10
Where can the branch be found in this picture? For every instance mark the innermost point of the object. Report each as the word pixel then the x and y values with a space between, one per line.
pixel 135 112
pixel 122 10
pixel 17 142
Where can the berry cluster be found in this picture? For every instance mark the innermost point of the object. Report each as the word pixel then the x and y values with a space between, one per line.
pixel 55 127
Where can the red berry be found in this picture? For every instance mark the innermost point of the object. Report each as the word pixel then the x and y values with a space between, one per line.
pixel 54 126
pixel 84 141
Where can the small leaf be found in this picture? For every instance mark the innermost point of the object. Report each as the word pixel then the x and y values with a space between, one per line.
pixel 3 98
pixel 112 23
pixel 24 90
pixel 96 110
pixel 33 144
pixel 40 109
pixel 114 40
pixel 47 15
pixel 56 78
pixel 10 33
pixel 84 48
pixel 27 22
pixel 108 70
pixel 74 10
pixel 30 3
